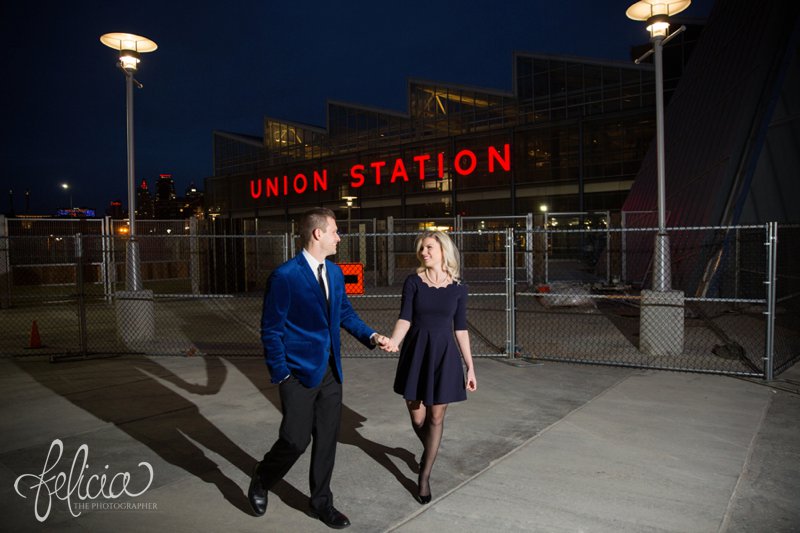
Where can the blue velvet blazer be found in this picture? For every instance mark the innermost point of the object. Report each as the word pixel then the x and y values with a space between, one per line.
pixel 297 331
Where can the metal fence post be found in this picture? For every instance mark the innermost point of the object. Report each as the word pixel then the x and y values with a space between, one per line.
pixel 214 277
pixel 772 259
pixel 459 228
pixel 5 266
pixel 546 252
pixel 194 256
pixel 608 248
pixel 511 332
pixel 81 294
pixel 375 252
pixel 529 249
pixel 623 259
pixel 106 264
pixel 390 250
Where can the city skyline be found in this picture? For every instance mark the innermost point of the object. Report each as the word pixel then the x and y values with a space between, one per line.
pixel 227 67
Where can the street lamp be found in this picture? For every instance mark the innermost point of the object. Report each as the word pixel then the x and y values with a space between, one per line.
pixel 661 316
pixel 349 240
pixel 349 200
pixel 65 186
pixel 130 48
pixel 656 13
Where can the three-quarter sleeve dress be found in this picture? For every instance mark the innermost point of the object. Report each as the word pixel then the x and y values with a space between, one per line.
pixel 430 366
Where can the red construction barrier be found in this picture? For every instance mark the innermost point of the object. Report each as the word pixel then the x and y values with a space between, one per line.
pixel 353 277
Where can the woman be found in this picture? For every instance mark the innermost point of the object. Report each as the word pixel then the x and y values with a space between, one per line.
pixel 429 372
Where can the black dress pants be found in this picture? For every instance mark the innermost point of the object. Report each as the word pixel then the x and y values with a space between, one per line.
pixel 307 413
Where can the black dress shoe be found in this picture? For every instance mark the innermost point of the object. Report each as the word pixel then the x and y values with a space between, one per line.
pixel 257 494
pixel 332 518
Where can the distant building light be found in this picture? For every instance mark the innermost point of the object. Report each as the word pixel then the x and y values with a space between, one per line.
pixel 76 212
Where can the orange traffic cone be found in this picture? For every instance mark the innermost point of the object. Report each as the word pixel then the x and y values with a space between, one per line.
pixel 36 341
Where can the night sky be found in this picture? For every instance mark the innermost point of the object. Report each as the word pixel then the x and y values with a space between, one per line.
pixel 226 65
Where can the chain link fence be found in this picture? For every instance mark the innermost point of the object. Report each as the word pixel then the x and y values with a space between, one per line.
pixel 544 293
pixel 717 319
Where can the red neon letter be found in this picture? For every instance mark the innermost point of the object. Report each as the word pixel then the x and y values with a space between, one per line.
pixel 377 166
pixel 253 192
pixel 399 170
pixel 272 186
pixel 472 163
pixel 420 159
pixel 505 161
pixel 357 175
pixel 297 189
pixel 321 181
pixel 440 160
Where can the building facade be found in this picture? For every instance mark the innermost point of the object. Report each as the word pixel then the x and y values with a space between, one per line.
pixel 569 137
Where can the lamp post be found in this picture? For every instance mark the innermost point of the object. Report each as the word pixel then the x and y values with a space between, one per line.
pixel 135 306
pixel 656 13
pixel 349 241
pixel 130 47
pixel 65 186
pixel 349 200
pixel 661 317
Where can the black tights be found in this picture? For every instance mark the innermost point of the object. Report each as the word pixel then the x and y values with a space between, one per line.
pixel 428 424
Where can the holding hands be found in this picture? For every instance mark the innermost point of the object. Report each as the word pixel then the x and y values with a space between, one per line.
pixel 385 343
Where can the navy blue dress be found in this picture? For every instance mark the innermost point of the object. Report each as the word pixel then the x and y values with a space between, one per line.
pixel 430 367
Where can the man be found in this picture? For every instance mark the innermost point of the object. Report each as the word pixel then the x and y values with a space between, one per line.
pixel 305 306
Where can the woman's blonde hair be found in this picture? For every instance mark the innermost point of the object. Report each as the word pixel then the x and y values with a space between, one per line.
pixel 450 261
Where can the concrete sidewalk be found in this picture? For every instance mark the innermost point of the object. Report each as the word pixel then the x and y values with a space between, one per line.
pixel 551 447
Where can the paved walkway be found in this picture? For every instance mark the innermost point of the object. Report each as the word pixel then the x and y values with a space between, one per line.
pixel 551 448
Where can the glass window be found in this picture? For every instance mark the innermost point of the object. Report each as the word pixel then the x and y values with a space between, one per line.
pixel 611 89
pixel 575 90
pixel 631 89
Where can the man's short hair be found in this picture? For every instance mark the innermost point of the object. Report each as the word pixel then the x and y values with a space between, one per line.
pixel 311 220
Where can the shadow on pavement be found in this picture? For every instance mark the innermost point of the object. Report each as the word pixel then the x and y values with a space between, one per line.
pixel 120 392
pixel 124 392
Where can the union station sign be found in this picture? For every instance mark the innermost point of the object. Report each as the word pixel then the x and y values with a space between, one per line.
pixel 418 167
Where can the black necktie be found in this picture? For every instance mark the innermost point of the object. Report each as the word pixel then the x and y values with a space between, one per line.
pixel 321 281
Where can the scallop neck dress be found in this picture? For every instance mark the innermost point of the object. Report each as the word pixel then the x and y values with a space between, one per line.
pixel 430 368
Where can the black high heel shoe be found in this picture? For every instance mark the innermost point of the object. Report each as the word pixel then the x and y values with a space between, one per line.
pixel 426 498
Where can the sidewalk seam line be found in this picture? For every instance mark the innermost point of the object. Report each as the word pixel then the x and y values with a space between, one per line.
pixel 725 523
pixel 499 460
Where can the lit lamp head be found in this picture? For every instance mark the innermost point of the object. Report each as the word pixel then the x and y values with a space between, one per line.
pixel 349 200
pixel 656 13
pixel 130 48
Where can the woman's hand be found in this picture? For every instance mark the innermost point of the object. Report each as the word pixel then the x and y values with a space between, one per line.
pixel 472 382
